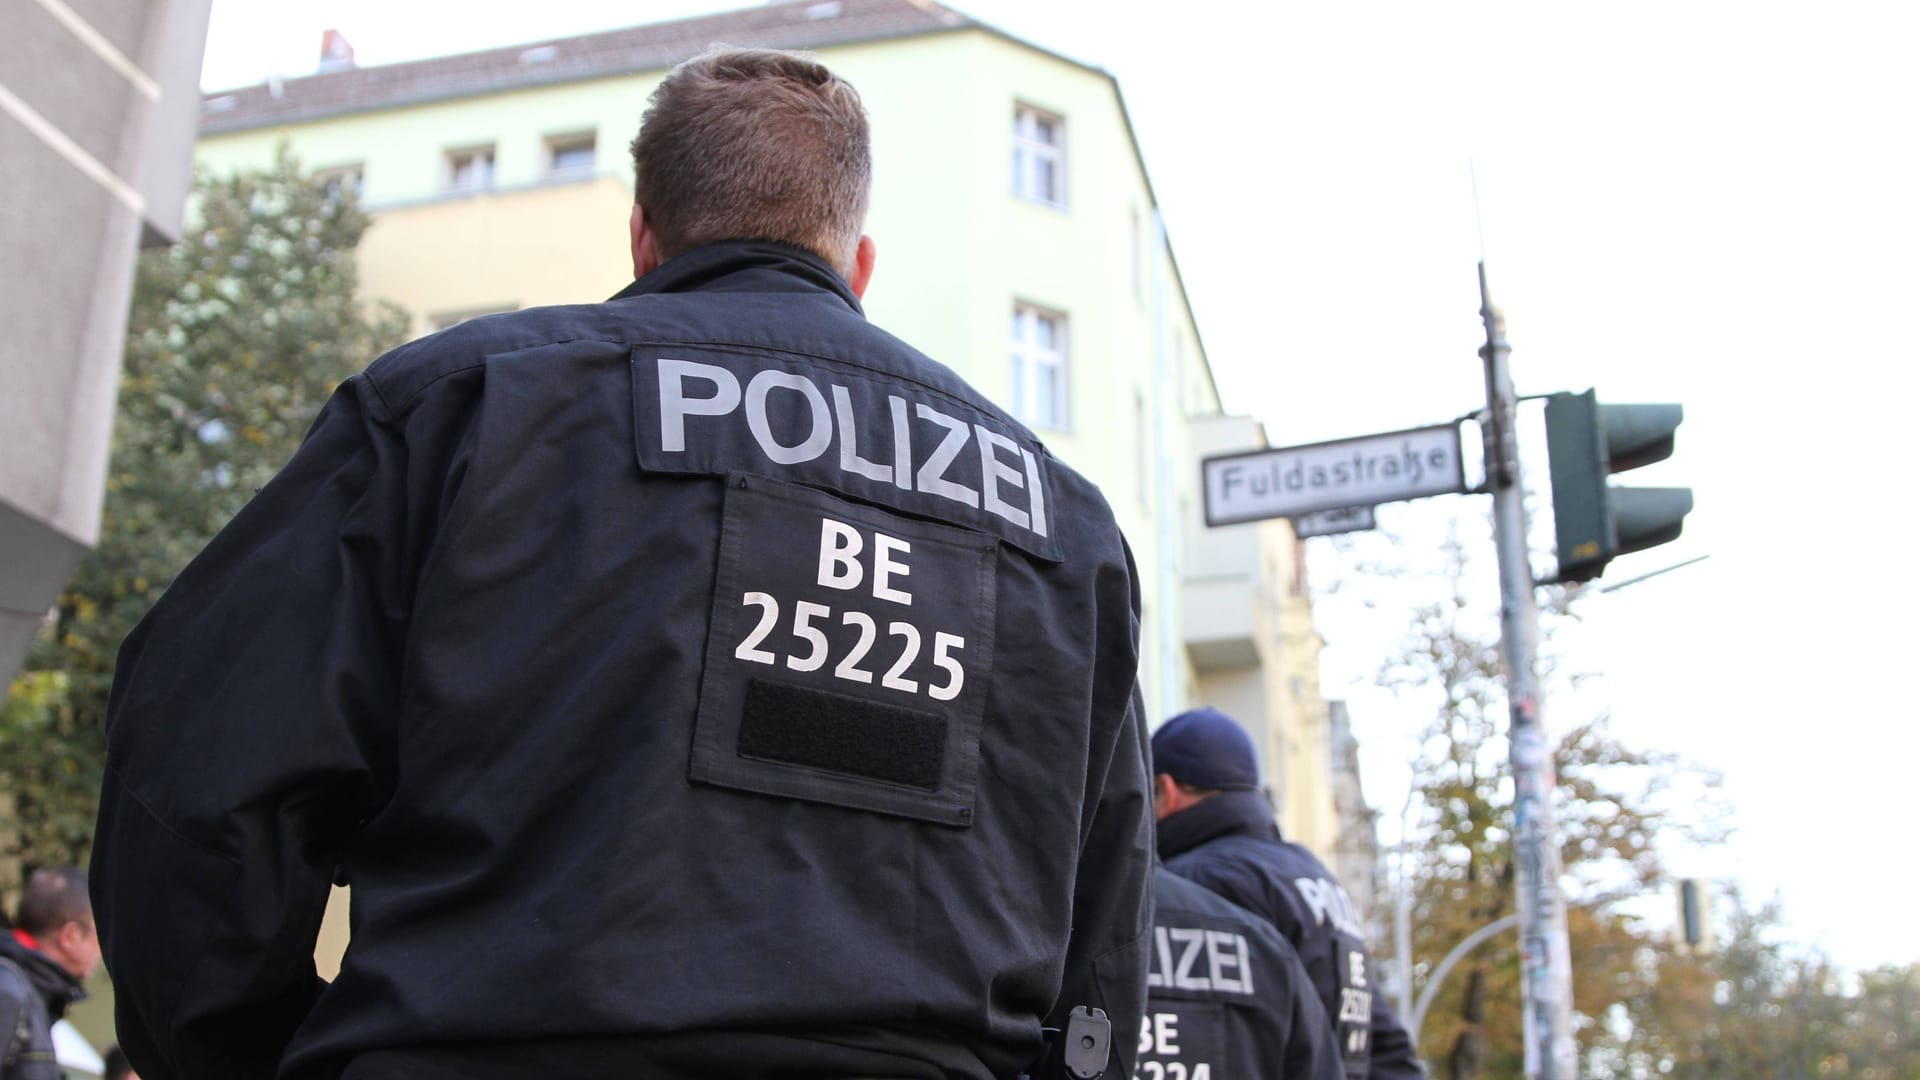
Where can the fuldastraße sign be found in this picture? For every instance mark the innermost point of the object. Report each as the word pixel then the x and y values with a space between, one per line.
pixel 1364 471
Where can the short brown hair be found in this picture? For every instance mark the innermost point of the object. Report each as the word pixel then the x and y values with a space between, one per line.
pixel 754 144
pixel 53 897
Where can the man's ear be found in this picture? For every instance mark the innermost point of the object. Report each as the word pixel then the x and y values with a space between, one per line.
pixel 864 254
pixel 1166 796
pixel 70 937
pixel 645 244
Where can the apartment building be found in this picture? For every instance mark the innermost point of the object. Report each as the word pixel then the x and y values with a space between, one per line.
pixel 1019 243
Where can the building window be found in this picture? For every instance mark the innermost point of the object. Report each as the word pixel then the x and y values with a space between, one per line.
pixel 1039 156
pixel 340 179
pixel 1039 367
pixel 470 169
pixel 570 155
pixel 1143 448
pixel 1136 255
pixel 1180 373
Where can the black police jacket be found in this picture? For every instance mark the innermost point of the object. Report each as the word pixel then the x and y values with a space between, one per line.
pixel 1227 998
pixel 701 681
pixel 1230 844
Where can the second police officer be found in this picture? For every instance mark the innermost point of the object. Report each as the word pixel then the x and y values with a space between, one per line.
pixel 1227 998
pixel 1216 828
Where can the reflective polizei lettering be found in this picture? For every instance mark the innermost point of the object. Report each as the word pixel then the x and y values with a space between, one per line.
pixel 1329 902
pixel 691 393
pixel 1198 959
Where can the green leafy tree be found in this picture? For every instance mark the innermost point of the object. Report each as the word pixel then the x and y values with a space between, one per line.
pixel 235 339
pixel 1883 1036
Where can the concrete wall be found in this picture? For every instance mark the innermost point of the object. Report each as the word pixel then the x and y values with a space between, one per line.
pixel 98 106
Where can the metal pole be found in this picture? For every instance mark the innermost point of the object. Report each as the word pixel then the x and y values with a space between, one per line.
pixel 1403 915
pixel 1546 970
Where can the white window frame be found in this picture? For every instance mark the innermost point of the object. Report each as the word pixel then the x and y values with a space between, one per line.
pixel 1143 452
pixel 1031 362
pixel 459 156
pixel 1137 258
pixel 334 178
pixel 1180 373
pixel 555 145
pixel 1032 150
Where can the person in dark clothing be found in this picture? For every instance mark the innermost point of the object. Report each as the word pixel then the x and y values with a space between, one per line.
pixel 50 951
pixel 698 683
pixel 1216 828
pixel 1227 998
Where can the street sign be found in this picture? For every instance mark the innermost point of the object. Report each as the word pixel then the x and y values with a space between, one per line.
pixel 1364 471
pixel 1329 522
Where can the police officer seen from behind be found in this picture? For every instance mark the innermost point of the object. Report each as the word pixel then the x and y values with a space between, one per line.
pixel 698 683
pixel 1227 998
pixel 1217 829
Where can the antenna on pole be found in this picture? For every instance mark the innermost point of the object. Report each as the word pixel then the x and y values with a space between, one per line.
pixel 1479 223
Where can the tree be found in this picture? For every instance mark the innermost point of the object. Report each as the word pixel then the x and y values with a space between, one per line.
pixel 235 339
pixel 1760 1006
pixel 1613 812
pixel 1883 1035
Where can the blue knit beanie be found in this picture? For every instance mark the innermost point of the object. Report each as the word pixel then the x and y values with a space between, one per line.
pixel 1205 748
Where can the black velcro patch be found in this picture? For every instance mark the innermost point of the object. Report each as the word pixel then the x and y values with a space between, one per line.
pixel 795 725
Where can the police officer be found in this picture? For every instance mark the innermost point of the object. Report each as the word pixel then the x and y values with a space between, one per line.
pixel 702 682
pixel 1227 998
pixel 1216 828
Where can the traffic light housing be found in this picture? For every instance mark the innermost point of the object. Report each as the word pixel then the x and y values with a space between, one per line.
pixel 1593 520
pixel 1696 917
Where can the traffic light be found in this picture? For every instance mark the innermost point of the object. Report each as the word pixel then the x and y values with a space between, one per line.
pixel 1696 916
pixel 1593 520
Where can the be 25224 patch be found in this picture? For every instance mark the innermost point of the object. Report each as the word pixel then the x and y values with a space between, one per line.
pixel 1182 1040
pixel 848 655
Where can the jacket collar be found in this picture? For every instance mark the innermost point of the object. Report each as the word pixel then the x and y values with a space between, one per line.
pixel 1230 813
pixel 53 983
pixel 744 266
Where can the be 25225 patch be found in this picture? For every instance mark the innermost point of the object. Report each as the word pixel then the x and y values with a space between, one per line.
pixel 848 654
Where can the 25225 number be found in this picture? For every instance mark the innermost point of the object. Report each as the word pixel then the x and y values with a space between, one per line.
pixel 807 617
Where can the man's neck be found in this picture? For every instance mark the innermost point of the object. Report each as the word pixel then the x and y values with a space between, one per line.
pixel 1222 814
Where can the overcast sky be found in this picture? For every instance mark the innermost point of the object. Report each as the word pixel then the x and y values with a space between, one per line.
pixel 1714 204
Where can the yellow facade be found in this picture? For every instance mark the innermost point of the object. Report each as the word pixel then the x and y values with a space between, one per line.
pixel 1250 634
